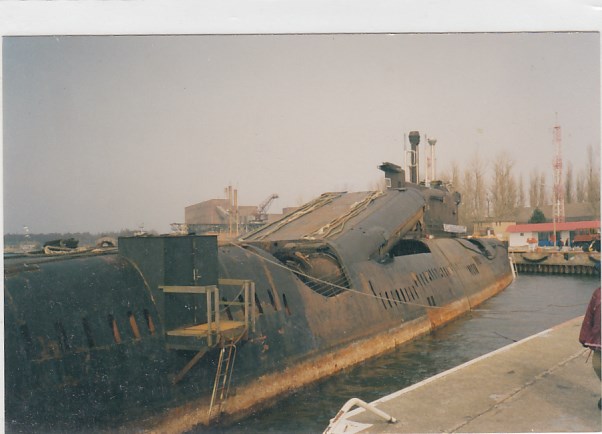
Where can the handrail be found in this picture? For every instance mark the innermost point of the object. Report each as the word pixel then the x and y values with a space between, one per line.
pixel 348 406
pixel 212 293
pixel 248 287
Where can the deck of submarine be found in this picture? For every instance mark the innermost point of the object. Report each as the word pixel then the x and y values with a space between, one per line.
pixel 544 383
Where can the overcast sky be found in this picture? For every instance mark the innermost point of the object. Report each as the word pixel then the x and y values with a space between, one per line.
pixel 104 133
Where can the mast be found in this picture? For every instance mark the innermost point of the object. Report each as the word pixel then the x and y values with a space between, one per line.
pixel 558 204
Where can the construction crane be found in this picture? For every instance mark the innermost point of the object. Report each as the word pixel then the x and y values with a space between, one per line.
pixel 261 214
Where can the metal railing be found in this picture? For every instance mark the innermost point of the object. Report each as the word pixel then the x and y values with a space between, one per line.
pixel 214 304
pixel 334 427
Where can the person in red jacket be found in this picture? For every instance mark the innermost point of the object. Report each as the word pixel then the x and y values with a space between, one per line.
pixel 590 332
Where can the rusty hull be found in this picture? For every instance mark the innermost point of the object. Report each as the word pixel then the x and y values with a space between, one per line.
pixel 345 278
pixel 265 390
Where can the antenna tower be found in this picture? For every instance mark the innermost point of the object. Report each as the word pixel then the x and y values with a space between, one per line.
pixel 558 205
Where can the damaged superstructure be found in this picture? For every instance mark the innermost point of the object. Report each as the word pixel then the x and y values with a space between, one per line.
pixel 176 330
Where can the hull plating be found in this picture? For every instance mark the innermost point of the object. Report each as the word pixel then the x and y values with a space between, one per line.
pixel 90 341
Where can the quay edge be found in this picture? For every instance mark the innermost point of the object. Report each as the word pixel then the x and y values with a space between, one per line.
pixel 557 262
pixel 557 391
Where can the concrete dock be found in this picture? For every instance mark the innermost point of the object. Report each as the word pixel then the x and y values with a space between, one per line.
pixel 552 261
pixel 544 383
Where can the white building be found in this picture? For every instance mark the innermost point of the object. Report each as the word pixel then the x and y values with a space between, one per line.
pixel 543 233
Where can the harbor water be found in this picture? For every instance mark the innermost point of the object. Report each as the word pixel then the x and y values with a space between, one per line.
pixel 532 303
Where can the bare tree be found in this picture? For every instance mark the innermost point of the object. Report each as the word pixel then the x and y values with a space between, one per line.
pixel 456 178
pixel 533 188
pixel 503 188
pixel 478 168
pixel 474 192
pixel 593 179
pixel 543 197
pixel 452 175
pixel 521 199
pixel 466 210
pixel 568 184
pixel 580 192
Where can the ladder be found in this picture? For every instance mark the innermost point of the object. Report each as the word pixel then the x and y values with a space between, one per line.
pixel 223 375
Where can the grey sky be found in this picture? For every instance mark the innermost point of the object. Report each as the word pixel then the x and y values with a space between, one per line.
pixel 103 133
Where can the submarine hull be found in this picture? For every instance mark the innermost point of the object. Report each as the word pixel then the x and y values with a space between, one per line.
pixel 170 332
pixel 87 345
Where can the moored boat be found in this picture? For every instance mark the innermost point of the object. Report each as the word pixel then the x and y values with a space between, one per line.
pixel 174 331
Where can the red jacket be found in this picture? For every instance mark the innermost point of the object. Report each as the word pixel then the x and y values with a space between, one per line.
pixel 590 329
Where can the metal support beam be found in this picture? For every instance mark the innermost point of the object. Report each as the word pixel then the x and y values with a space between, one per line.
pixel 189 365
pixel 247 304
pixel 209 320
pixel 187 289
pixel 216 301
pixel 253 314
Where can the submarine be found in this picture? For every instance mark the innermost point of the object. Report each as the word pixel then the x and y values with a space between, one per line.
pixel 165 333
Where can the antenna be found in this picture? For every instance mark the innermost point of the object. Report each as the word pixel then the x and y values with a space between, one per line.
pixel 558 204
pixel 431 160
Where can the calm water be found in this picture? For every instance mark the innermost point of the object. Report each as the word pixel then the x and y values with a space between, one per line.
pixel 530 305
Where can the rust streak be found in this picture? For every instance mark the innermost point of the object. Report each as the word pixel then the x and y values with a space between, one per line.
pixel 263 391
pixel 268 274
pixel 266 389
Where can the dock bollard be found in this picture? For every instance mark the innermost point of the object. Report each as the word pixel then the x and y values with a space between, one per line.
pixel 348 406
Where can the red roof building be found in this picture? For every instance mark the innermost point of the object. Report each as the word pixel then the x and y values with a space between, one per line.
pixel 569 233
pixel 549 227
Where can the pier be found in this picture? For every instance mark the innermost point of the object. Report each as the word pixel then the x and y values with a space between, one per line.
pixel 557 262
pixel 544 383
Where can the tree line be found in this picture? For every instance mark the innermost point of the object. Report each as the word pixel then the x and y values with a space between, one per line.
pixel 493 190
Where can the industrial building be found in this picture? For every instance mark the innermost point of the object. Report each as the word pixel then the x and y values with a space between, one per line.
pixel 225 216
